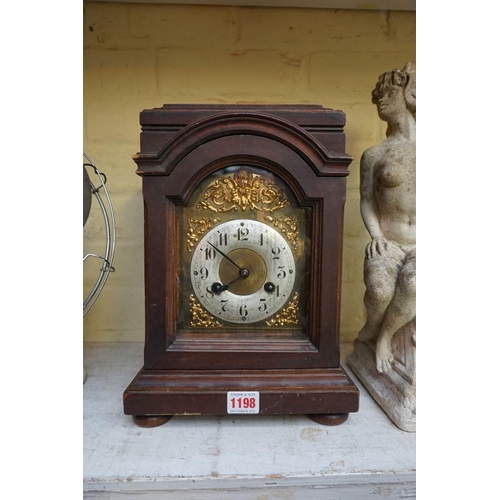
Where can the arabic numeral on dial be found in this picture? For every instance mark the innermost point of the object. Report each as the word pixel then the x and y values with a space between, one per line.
pixel 203 273
pixel 210 294
pixel 210 253
pixel 281 273
pixel 276 252
pixel 243 311
pixel 222 239
pixel 224 305
pixel 263 306
pixel 242 234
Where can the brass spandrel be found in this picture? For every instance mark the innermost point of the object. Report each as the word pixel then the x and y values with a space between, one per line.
pixel 288 227
pixel 197 228
pixel 199 317
pixel 288 315
pixel 241 191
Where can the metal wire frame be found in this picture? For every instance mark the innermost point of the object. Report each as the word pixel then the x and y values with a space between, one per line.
pixel 109 222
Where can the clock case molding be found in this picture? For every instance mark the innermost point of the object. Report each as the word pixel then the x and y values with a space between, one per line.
pixel 304 145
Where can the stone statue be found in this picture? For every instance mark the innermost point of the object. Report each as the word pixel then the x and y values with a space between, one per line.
pixel 388 206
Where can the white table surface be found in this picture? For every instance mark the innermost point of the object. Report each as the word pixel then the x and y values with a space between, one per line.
pixel 236 457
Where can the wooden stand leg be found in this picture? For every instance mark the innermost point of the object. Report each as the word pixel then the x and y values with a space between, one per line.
pixel 329 419
pixel 151 420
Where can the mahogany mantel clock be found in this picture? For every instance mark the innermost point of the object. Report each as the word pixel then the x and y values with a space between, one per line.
pixel 243 213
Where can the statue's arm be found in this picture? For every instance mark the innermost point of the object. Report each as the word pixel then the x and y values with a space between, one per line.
pixel 368 206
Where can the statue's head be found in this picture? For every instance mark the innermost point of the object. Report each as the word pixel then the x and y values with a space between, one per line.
pixel 405 78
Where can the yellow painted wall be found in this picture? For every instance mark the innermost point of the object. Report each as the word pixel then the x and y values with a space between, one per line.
pixel 141 56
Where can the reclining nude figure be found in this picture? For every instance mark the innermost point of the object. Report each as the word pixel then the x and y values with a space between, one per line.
pixel 388 209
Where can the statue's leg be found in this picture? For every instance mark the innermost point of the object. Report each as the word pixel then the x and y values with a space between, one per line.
pixel 380 274
pixel 400 311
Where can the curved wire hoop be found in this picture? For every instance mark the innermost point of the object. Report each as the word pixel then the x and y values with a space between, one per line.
pixel 109 222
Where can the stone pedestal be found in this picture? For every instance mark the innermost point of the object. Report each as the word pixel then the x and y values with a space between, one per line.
pixel 395 390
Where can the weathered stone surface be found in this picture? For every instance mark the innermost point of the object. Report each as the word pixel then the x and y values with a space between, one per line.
pixel 395 390
pixel 384 353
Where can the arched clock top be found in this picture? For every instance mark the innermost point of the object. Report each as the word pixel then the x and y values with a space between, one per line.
pixel 312 132
pixel 250 152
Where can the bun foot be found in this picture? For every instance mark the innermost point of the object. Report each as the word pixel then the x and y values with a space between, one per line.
pixel 151 420
pixel 329 419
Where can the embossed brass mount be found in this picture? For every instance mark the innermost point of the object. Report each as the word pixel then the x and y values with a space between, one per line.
pixel 243 190
pixel 288 227
pixel 199 317
pixel 197 228
pixel 287 316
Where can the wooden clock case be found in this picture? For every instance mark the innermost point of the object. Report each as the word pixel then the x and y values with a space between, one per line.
pixel 181 145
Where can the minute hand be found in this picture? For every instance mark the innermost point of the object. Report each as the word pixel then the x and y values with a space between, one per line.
pixel 225 256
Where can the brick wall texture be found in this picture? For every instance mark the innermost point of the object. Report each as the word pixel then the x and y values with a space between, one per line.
pixel 139 56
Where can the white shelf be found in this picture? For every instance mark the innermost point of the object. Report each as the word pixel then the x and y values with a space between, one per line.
pixel 234 457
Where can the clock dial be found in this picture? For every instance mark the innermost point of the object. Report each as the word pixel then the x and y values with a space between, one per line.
pixel 243 271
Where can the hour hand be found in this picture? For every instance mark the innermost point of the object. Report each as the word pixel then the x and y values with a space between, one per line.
pixel 218 288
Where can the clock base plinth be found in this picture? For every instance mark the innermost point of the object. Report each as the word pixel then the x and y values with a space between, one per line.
pixel 149 421
pixel 327 395
pixel 330 419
